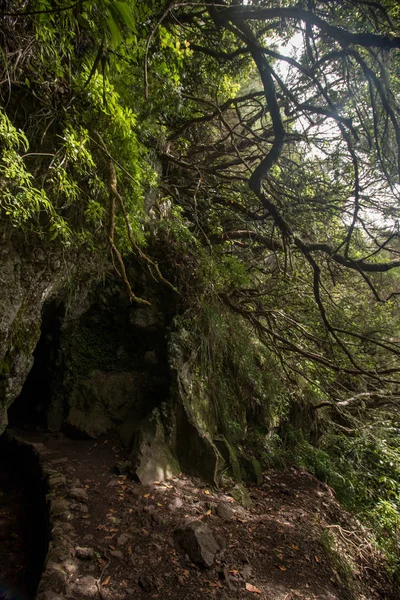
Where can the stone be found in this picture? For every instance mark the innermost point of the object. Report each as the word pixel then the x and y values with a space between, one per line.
pixel 123 539
pixel 151 457
pixel 117 554
pixel 113 483
pixel 148 583
pixel 229 455
pixel 57 479
pixel 59 507
pixel 225 512
pixel 157 518
pixel 86 586
pixel 84 553
pixel 176 503
pixel 198 541
pixel 241 494
pixel 79 494
pixel 251 469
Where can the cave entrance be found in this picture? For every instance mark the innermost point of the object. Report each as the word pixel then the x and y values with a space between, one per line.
pixel 29 410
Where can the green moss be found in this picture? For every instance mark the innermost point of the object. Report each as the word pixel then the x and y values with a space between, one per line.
pixel 4 367
pixel 24 333
pixel 94 348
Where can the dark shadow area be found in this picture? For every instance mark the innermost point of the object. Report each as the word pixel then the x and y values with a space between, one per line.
pixel 23 520
pixel 29 409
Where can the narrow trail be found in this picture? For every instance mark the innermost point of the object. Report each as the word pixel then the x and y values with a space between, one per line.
pixel 118 543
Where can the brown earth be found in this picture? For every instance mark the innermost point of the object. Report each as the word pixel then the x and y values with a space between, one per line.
pixel 294 542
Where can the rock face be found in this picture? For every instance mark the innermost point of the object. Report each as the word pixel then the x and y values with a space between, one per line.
pixel 198 541
pixel 31 277
pixel 98 363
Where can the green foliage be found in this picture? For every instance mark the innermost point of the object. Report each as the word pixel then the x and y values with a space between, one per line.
pixel 275 329
pixel 364 470
pixel 20 200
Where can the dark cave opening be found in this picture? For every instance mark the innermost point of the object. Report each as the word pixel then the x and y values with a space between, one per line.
pixel 30 408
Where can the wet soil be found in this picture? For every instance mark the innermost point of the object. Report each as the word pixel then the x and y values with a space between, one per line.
pixel 294 542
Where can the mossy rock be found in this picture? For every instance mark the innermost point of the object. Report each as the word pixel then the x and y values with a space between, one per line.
pixel 229 455
pixel 241 494
pixel 251 469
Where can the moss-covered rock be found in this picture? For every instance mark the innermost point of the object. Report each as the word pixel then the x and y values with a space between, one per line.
pixel 229 455
pixel 251 469
pixel 241 494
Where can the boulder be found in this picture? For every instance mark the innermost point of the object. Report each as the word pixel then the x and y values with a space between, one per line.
pixel 151 457
pixel 229 455
pixel 198 541
pixel 224 512
pixel 251 469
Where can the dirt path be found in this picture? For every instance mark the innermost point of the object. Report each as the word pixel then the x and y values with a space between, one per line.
pixel 293 543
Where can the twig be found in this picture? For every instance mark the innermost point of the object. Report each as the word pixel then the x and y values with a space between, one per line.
pixel 98 581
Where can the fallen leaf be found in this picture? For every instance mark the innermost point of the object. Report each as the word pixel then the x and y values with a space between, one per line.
pixel 107 580
pixel 252 588
pixel 156 483
pixel 146 495
pixel 207 492
pixel 208 512
pixel 295 547
pixel 282 568
pixel 317 559
pixel 158 504
pixel 111 547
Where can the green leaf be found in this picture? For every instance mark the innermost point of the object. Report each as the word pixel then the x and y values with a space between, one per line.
pixel 115 31
pixel 83 22
pixel 125 14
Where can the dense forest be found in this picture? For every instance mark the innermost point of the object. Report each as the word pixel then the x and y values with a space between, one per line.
pixel 245 156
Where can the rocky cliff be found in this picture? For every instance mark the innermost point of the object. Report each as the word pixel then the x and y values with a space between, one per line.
pixel 76 356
